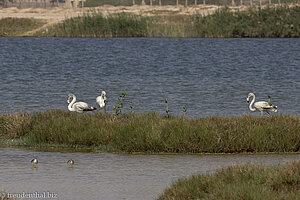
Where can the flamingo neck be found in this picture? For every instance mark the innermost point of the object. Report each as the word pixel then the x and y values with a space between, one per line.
pixel 70 106
pixel 251 104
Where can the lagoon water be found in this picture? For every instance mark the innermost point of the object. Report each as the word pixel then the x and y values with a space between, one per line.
pixel 111 176
pixel 210 76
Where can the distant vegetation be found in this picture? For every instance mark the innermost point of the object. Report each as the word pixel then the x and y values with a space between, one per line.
pixel 94 24
pixel 240 182
pixel 276 22
pixel 151 132
pixel 18 26
pixel 267 22
pixel 93 3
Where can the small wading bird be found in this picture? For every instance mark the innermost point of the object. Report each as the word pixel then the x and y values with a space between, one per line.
pixel 102 100
pixel 261 105
pixel 70 163
pixel 34 162
pixel 79 107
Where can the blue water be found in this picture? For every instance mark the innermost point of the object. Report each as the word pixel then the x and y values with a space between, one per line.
pixel 210 76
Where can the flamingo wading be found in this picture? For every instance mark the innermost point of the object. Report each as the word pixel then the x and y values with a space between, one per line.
pixel 261 106
pixel 79 107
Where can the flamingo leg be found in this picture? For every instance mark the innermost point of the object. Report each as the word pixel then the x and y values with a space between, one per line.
pixel 261 113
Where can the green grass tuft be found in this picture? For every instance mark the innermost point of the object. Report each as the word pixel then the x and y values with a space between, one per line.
pixel 246 182
pixel 151 132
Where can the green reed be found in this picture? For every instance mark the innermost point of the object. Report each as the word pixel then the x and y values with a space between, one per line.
pixel 240 182
pixel 151 132
pixel 255 22
pixel 95 24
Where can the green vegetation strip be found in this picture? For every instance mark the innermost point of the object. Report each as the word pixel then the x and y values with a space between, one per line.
pixel 280 21
pixel 151 132
pixel 245 182
pixel 18 26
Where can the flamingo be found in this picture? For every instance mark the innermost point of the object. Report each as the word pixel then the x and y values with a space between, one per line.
pixel 102 100
pixel 79 107
pixel 261 105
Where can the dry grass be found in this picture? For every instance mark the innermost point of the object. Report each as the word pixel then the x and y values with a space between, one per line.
pixel 18 26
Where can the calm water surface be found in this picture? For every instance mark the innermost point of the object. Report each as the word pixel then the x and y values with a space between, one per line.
pixel 110 176
pixel 210 76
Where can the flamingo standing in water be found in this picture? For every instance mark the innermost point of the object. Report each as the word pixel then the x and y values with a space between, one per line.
pixel 79 107
pixel 261 106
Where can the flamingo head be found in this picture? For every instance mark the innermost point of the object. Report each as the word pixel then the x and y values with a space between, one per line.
pixel 249 95
pixel 69 97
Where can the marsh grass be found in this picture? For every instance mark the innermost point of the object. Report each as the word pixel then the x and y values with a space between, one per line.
pixel 255 22
pixel 270 21
pixel 94 24
pixel 151 132
pixel 240 182
pixel 18 26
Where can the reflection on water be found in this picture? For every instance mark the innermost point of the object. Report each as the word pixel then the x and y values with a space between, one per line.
pixel 110 176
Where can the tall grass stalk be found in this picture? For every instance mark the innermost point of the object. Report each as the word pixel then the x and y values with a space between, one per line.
pixel 151 132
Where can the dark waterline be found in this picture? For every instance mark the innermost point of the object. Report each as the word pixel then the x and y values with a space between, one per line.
pixel 210 76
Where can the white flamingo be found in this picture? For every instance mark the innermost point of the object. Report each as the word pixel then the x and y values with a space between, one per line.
pixel 261 105
pixel 102 100
pixel 79 107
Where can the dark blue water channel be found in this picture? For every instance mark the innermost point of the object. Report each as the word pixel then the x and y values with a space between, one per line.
pixel 210 76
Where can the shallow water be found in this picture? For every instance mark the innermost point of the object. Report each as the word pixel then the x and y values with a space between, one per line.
pixel 210 76
pixel 110 176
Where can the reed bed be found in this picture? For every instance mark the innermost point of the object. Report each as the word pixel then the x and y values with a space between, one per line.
pixel 95 24
pixel 240 182
pixel 274 22
pixel 279 21
pixel 153 133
